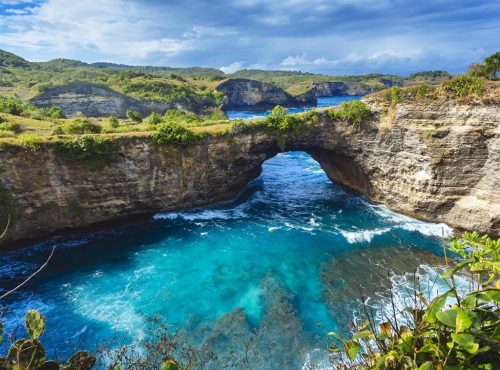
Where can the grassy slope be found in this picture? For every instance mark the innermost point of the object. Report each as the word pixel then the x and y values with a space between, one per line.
pixel 27 79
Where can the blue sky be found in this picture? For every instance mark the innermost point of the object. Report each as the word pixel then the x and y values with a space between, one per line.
pixel 321 36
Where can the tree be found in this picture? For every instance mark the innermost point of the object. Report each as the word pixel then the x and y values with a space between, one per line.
pixel 492 65
pixel 113 121
pixel 133 116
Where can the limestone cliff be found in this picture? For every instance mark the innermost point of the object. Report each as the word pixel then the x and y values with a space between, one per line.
pixel 95 101
pixel 337 88
pixel 434 161
pixel 252 94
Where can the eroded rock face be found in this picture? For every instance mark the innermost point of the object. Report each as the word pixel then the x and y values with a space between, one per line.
pixel 338 88
pixel 438 162
pixel 251 94
pixel 95 101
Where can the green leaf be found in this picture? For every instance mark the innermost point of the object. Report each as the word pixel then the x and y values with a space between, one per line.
pixel 436 305
pixel 426 366
pixel 465 341
pixel 170 364
pixel 448 317
pixel 81 360
pixel 362 334
pixel 494 294
pixel 457 268
pixel 405 343
pixel 336 336
pixel 352 348
pixel 35 324
pixel 462 322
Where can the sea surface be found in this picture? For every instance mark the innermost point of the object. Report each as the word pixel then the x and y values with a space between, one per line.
pixel 279 266
pixel 323 102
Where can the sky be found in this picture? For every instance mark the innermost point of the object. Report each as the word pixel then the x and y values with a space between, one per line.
pixel 318 36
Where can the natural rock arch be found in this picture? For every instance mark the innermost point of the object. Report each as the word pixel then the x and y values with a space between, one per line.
pixel 434 163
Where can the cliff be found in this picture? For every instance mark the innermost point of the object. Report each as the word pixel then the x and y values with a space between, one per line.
pixel 252 94
pixel 95 101
pixel 337 88
pixel 435 161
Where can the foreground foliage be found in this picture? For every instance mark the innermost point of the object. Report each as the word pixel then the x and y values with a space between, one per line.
pixel 453 331
pixel 29 354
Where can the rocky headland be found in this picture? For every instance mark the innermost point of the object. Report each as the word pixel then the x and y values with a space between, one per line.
pixel 251 94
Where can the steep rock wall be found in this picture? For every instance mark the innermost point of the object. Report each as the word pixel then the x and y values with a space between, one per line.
pixel 95 101
pixel 252 94
pixel 435 162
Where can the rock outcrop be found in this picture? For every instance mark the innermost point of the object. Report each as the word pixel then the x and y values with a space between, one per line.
pixel 338 88
pixel 95 101
pixel 252 94
pixel 438 162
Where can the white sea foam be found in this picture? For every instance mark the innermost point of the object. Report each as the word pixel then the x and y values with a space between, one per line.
pixel 313 222
pixel 361 236
pixel 206 214
pixel 410 224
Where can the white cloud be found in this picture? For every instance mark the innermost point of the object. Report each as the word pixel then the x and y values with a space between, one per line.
pixel 296 60
pixel 233 67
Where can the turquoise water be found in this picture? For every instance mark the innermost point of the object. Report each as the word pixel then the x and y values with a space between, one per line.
pixel 323 102
pixel 287 257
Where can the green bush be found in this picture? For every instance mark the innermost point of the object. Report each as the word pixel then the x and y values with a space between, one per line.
pixel 133 116
pixel 174 133
pixel 421 91
pixel 461 334
pixel 94 153
pixel 280 120
pixel 355 112
pixel 80 126
pixel 113 121
pixel 153 119
pixel 17 107
pixel 30 141
pixel 393 95
pixel 464 85
pixel 10 126
pixel 13 105
pixel 180 116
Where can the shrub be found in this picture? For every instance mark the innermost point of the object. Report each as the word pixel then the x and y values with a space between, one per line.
pixel 180 116
pixel 133 116
pixel 12 105
pixel 113 121
pixel 453 331
pixel 279 120
pixel 173 133
pixel 464 85
pixel 94 153
pixel 10 126
pixel 153 119
pixel 30 141
pixel 79 126
pixel 393 95
pixel 421 91
pixel 29 354
pixel 354 112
